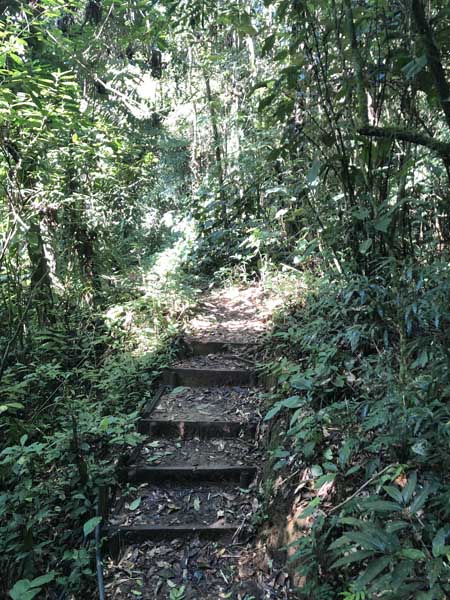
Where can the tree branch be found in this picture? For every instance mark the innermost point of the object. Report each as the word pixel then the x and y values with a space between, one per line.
pixel 407 135
pixel 363 109
pixel 433 57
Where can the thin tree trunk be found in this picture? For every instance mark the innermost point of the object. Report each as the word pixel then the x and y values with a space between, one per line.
pixel 433 55
pixel 363 110
pixel 194 143
pixel 217 150
pixel 40 274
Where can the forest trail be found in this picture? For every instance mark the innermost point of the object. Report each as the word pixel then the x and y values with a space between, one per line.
pixel 187 531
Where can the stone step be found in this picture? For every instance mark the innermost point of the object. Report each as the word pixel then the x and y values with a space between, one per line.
pixel 205 347
pixel 208 377
pixel 202 429
pixel 188 474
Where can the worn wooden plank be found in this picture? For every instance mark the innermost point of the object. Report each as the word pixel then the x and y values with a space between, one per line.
pixel 154 400
pixel 206 429
pixel 204 473
pixel 202 348
pixel 140 533
pixel 208 377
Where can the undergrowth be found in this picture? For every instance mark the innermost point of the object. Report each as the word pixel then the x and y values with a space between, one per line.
pixel 362 372
pixel 69 408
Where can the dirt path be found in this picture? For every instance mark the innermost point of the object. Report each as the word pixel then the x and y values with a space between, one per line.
pixel 235 314
pixel 187 531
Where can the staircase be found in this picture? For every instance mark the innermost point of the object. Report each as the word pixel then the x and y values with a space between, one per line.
pixel 185 532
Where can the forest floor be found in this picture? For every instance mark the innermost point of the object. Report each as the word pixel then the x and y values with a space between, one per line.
pixel 192 521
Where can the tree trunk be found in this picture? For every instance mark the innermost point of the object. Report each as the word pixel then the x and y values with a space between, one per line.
pixel 41 285
pixel 363 110
pixel 433 55
pixel 217 151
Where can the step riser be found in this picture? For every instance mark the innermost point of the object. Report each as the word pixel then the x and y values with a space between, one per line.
pixel 129 535
pixel 196 348
pixel 189 429
pixel 208 378
pixel 243 475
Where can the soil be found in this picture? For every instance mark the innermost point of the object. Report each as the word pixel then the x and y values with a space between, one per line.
pixel 215 404
pixel 195 452
pixel 178 504
pixel 207 570
pixel 213 361
pixel 236 314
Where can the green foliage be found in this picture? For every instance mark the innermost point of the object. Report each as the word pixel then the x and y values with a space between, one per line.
pixel 26 589
pixel 365 386
pixel 176 593
pixel 87 411
pixel 142 140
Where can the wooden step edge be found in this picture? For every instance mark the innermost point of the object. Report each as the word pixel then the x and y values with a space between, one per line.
pixel 205 429
pixel 154 400
pixel 244 474
pixel 178 376
pixel 122 535
pixel 204 347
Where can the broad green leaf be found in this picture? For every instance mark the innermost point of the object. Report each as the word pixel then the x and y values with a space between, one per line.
pixel 268 44
pixel 90 525
pixel 412 554
pixel 421 361
pixel 346 451
pixel 104 424
pixel 394 526
pixel 266 101
pixel 365 540
pixel 329 477
pixel 382 224
pixel 401 571
pixel 353 469
pixel 314 171
pixel 292 402
pixel 9 406
pixel 329 466
pixel 135 504
pixel 394 493
pixel 361 213
pixel 243 23
pixel 419 500
pixel 410 487
pixel 426 595
pixel 301 383
pixel 43 579
pixel 373 570
pixel 414 67
pixel 179 390
pixel 23 590
pixel 439 539
pixel 434 569
pixel 351 557
pixel 273 411
pixel 17 59
pixel 365 246
pixel 381 505
pixel 311 508
pixel 351 521
pixel 316 471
